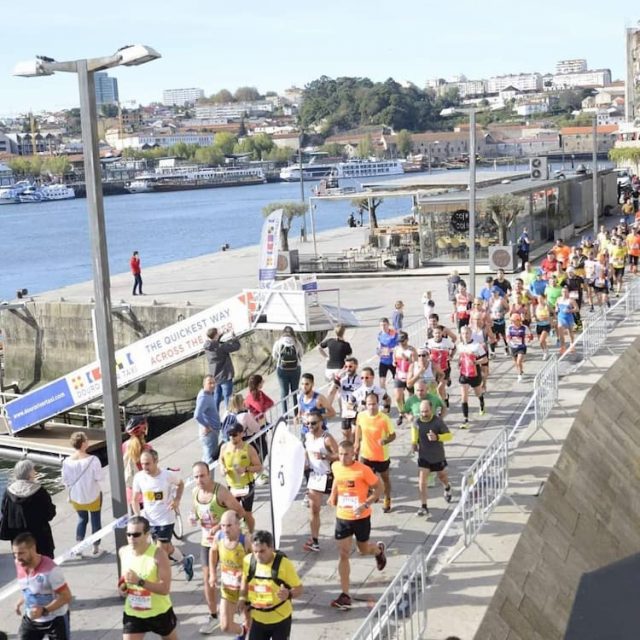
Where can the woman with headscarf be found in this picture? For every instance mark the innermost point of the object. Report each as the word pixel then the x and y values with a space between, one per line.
pixel 27 506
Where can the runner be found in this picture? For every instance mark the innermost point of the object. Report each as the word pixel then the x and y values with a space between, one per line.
pixel 518 335
pixel 422 392
pixel 321 449
pixel 502 283
pixel 350 495
pixel 45 594
pixel 428 367
pixel 498 308
pixel 229 548
pixel 602 280
pixel 434 321
pixel 346 382
pixel 240 463
pixel 161 491
pixel 210 501
pixel 633 246
pixel 472 356
pixel 427 435
pixel 565 308
pixel 334 351
pixel 310 400
pixel 462 306
pixel 387 340
pixel 543 324
pixel 146 580
pixel 590 277
pixel 618 260
pixel 269 584
pixel 522 301
pixel 367 387
pixel 441 349
pixel 374 433
pixel 404 356
pixel 480 325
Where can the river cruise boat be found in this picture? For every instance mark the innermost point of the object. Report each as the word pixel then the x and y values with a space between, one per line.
pixel 47 193
pixel 368 168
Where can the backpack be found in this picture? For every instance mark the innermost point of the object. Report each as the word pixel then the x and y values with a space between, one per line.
pixel 275 568
pixel 288 357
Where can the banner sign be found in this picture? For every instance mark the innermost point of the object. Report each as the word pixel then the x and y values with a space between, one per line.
pixel 139 360
pixel 269 248
pixel 286 471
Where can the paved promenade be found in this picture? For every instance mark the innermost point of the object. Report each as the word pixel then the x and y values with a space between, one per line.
pixel 96 611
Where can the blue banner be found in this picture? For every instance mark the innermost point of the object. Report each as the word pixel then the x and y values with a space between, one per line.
pixel 39 405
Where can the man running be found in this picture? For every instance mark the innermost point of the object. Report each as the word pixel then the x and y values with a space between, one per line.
pixel 211 501
pixel 269 584
pixel 374 433
pixel 346 383
pixel 498 308
pixel 240 464
pixel 387 340
pixel 228 550
pixel 145 579
pixel 45 594
pixel 471 357
pixel 310 400
pixel 368 386
pixel 352 482
pixel 404 355
pixel 566 308
pixel 422 392
pixel 322 450
pixel 518 335
pixel 441 349
pixel 427 435
pixel 161 491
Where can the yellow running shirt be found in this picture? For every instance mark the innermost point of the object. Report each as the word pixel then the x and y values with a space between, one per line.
pixel 374 429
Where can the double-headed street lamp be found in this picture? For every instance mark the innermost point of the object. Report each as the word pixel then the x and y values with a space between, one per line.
pixel 131 55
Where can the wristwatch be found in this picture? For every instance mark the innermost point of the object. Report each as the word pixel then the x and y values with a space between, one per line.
pixel 45 611
pixel 140 582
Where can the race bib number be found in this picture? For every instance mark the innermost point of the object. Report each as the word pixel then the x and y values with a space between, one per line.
pixel 348 411
pixel 239 492
pixel 139 599
pixel 599 282
pixel 318 482
pixel 261 595
pixel 231 578
pixel 348 502
pixel 574 295
pixel 468 365
pixel 385 351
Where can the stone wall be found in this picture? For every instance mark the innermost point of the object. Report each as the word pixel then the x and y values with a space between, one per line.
pixel 586 517
pixel 49 339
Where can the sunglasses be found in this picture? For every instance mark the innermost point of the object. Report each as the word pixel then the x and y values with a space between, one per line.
pixel 313 424
pixel 134 534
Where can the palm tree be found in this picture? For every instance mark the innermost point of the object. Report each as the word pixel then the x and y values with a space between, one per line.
pixel 290 210
pixel 504 209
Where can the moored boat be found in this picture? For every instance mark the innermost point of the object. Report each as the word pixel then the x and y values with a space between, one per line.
pixel 46 193
pixel 9 195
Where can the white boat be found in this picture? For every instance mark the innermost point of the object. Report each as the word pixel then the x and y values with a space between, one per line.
pixel 9 195
pixel 368 168
pixel 47 193
pixel 310 171
pixel 185 178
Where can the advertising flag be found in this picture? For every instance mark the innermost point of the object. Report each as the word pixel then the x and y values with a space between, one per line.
pixel 286 470
pixel 269 247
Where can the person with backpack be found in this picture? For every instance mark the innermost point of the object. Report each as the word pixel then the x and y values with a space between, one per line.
pixel 287 353
pixel 269 584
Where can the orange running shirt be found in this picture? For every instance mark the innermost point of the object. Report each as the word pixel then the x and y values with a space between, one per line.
pixel 374 429
pixel 353 483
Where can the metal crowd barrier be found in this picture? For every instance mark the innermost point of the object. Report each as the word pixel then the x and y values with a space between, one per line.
pixel 401 611
pixel 594 334
pixel 545 390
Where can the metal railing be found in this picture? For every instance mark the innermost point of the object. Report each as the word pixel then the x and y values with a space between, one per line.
pixel 545 390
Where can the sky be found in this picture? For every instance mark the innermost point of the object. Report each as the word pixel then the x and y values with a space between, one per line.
pixel 270 45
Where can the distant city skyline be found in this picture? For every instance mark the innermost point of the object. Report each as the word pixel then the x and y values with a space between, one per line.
pixel 272 47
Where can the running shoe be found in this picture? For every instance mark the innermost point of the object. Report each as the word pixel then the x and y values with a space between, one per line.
pixel 506 350
pixel 591 309
pixel 243 635
pixel 482 412
pixel 310 545
pixel 210 627
pixel 262 479
pixel 545 355
pixel 342 602
pixel 519 377
pixel 381 558
pixel 305 500
pixel 448 493
pixel 187 565
pixel 399 420
pixel 465 425
pixel 386 506
pixel 422 511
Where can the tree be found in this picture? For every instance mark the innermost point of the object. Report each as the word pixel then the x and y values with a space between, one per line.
pixel 403 142
pixel 370 205
pixel 334 149
pixel 625 156
pixel 290 210
pixel 246 94
pixel 365 147
pixel 224 95
pixel 211 156
pixel 281 155
pixel 225 141
pixel 57 165
pixel 262 143
pixel 503 209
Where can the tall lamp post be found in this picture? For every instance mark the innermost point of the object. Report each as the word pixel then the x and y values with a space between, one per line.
pixel 594 176
pixel 472 203
pixel 85 69
pixel 304 217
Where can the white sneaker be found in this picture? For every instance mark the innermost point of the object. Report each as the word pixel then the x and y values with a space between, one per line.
pixel 305 500
pixel 210 627
pixel 519 377
pixel 262 479
pixel 545 355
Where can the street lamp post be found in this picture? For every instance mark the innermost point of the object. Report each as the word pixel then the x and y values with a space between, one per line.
pixel 304 215
pixel 594 176
pixel 85 69
pixel 472 203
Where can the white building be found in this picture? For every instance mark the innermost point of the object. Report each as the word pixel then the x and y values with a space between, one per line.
pixel 232 110
pixel 530 108
pixel 595 78
pixel 521 81
pixel 181 97
pixel 152 139
pixel 577 65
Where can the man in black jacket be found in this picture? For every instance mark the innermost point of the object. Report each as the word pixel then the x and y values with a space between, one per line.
pixel 220 364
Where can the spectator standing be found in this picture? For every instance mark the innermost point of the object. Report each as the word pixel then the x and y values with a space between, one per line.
pixel 452 285
pixel 397 316
pixel 218 354
pixel 27 507
pixel 428 303
pixel 206 415
pixel 136 271
pixel 81 475
pixel 524 247
pixel 335 350
pixel 45 594
pixel 287 353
